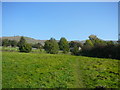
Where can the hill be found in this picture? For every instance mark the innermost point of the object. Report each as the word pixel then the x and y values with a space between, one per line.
pixel 28 39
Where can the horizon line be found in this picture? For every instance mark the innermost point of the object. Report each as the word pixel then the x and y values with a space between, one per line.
pixel 58 39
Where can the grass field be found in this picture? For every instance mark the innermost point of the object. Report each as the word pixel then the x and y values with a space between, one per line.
pixel 34 70
pixel 16 49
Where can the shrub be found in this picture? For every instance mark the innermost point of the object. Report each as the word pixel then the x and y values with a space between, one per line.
pixel 25 48
pixel 51 46
pixel 75 50
pixel 5 42
pixel 64 45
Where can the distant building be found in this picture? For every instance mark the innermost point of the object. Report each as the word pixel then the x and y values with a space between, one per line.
pixel 79 48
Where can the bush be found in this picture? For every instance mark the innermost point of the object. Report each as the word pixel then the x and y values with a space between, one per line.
pixel 64 45
pixel 13 43
pixel 108 51
pixel 51 46
pixel 5 42
pixel 75 50
pixel 25 48
pixel 21 42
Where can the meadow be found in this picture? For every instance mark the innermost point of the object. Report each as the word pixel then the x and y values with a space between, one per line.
pixel 41 70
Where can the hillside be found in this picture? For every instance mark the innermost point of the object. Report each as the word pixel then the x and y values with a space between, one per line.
pixel 28 39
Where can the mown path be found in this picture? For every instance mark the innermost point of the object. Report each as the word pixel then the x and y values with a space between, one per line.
pixel 78 74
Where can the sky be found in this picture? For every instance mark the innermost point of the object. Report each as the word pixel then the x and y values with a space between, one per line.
pixel 72 20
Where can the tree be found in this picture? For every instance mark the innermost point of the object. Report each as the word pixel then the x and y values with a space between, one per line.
pixel 51 46
pixel 88 43
pixel 74 43
pixel 64 45
pixel 47 46
pixel 13 43
pixel 24 46
pixel 5 42
pixel 96 41
pixel 22 41
pixel 93 37
pixel 75 50
pixel 110 42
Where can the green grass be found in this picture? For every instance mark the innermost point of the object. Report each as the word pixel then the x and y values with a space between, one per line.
pixel 16 49
pixel 0 70
pixel 34 70
pixel 8 48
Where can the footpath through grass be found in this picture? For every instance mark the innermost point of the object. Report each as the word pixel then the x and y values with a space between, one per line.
pixel 34 70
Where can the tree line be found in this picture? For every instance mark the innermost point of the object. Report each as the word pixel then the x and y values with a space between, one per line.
pixel 93 47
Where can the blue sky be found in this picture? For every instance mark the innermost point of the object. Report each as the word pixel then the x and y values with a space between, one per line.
pixel 73 20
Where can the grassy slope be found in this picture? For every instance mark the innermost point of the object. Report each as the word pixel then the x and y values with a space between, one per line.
pixel 28 39
pixel 27 70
